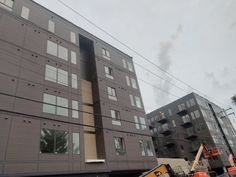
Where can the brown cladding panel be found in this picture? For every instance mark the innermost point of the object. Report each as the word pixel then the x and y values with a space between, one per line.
pixel 5 123
pixel 20 168
pixel 10 30
pixel 90 146
pixel 87 92
pixel 53 167
pixel 24 139
pixel 36 40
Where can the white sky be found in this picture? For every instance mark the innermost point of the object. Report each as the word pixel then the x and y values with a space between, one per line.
pixel 195 40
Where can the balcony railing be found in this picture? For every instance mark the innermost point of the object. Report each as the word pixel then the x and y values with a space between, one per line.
pixel 168 141
pixel 190 134
pixel 186 122
pixel 165 130
pixel 162 118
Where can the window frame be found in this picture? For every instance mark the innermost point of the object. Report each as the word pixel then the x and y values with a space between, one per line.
pixel 5 4
pixel 108 72
pixel 56 106
pixel 51 26
pixel 25 12
pixel 116 118
pixel 59 76
pixel 111 93
pixel 55 137
pixel 121 151
pixel 76 151
pixel 106 54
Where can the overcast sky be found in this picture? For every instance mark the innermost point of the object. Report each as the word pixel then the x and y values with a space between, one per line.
pixel 195 40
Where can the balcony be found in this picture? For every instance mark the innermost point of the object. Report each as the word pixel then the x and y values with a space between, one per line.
pixel 168 141
pixel 186 121
pixel 190 134
pixel 182 112
pixel 165 130
pixel 161 118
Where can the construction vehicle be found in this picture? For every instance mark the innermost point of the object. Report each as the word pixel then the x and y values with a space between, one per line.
pixel 232 170
pixel 165 170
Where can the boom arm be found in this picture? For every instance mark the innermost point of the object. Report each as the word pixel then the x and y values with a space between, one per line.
pixel 197 157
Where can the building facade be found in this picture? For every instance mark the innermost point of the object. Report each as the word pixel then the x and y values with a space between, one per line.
pixel 69 102
pixel 180 127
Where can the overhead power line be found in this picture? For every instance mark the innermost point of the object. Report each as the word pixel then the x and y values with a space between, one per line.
pixel 133 50
pixel 82 124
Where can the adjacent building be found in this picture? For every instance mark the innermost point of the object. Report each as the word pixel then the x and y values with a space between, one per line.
pixel 180 127
pixel 69 102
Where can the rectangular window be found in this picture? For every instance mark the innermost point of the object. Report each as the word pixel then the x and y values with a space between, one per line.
pixel 115 117
pixel 51 106
pixel 143 123
pixel 76 144
pixel 62 53
pixel 134 83
pixel 51 48
pixel 127 80
pixel 75 108
pixel 197 114
pixel 54 141
pixel 55 105
pixel 132 100
pixel 124 63
pixel 51 73
pixel 62 106
pixel 136 122
pixel 57 50
pixel 192 102
pixel 142 148
pixel 56 75
pixel 170 112
pixel 8 4
pixel 188 104
pixel 173 123
pixel 62 77
pixel 111 93
pixel 108 72
pixel 51 26
pixel 138 102
pixel 120 146
pixel 149 148
pixel 73 57
pixel 106 54
pixel 74 81
pixel 193 115
pixel 130 67
pixel 181 107
pixel 72 37
pixel 140 122
pixel 25 13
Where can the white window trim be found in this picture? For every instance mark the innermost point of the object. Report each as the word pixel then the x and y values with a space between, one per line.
pixel 110 76
pixel 111 96
pixel 74 81
pixel 25 12
pixel 73 57
pixel 72 37
pixel 51 26
pixel 106 54
pixel 58 73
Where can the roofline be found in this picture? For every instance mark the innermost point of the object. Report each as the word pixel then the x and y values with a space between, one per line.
pixel 82 29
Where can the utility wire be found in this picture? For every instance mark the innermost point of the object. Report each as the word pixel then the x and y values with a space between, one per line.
pixel 11 55
pixel 80 124
pixel 131 49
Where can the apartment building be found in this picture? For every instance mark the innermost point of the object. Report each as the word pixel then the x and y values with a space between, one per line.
pixel 180 127
pixel 70 103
